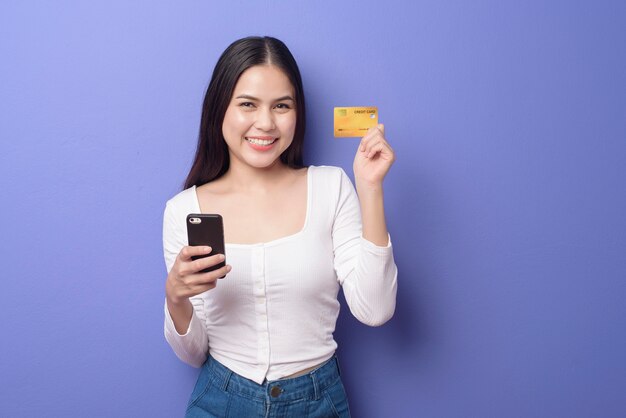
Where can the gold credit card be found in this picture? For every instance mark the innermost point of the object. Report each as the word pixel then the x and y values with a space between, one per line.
pixel 354 121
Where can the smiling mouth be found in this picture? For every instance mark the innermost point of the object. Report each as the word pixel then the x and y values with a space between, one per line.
pixel 264 142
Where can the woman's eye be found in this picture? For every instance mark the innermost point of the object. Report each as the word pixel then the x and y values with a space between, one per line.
pixel 246 104
pixel 283 106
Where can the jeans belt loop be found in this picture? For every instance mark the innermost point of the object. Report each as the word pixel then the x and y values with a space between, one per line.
pixel 337 365
pixel 229 373
pixel 316 388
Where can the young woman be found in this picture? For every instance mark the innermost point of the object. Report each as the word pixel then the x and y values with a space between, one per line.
pixel 263 334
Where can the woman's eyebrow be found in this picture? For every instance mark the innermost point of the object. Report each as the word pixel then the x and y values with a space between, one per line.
pixel 248 97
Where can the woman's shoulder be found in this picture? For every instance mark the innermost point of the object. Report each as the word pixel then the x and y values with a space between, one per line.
pixel 332 181
pixel 327 172
pixel 184 201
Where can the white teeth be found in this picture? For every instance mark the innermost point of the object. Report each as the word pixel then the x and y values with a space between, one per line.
pixel 263 142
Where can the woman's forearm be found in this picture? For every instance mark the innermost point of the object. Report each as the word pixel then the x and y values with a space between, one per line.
pixel 373 213
pixel 181 313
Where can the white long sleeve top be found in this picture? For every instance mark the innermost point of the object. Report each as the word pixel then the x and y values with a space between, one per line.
pixel 275 313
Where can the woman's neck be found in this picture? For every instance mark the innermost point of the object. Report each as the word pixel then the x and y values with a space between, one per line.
pixel 242 177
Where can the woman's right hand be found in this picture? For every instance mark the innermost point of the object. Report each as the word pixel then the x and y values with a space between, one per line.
pixel 185 279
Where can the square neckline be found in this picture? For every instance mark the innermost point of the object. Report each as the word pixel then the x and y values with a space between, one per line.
pixel 309 186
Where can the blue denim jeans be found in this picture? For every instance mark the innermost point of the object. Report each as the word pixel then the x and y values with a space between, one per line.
pixel 219 392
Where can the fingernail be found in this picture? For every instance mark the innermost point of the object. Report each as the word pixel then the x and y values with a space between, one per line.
pixel 207 249
pixel 221 256
pixel 228 268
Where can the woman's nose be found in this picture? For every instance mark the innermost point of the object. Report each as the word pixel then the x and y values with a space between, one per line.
pixel 265 120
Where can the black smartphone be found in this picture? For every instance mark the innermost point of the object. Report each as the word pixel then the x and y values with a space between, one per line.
pixel 207 229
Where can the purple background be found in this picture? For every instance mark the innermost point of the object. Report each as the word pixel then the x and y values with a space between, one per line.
pixel 506 205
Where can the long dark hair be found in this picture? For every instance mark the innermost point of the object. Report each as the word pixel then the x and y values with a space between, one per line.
pixel 212 159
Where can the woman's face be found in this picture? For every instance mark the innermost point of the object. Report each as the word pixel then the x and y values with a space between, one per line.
pixel 260 120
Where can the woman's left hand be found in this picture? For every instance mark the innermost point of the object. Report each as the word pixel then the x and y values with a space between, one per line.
pixel 373 159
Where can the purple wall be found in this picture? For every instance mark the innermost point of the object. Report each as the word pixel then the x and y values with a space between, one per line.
pixel 506 205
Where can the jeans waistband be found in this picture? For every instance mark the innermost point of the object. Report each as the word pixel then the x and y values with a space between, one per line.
pixel 308 386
